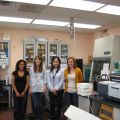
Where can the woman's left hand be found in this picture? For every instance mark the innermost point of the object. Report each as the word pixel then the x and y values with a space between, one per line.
pixel 45 89
pixel 23 94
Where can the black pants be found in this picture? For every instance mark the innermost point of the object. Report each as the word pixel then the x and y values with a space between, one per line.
pixel 37 105
pixel 20 104
pixel 55 104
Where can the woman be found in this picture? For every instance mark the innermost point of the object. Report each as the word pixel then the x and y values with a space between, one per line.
pixel 55 85
pixel 72 75
pixel 20 83
pixel 37 87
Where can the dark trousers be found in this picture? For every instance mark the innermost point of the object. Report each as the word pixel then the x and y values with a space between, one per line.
pixel 72 99
pixel 37 105
pixel 20 104
pixel 55 104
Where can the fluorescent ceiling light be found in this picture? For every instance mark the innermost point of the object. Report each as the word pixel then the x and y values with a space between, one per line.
pixel 77 4
pixel 41 2
pixel 86 26
pixel 110 9
pixel 48 22
pixel 15 19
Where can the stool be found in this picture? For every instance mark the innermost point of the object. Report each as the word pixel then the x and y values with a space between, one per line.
pixel 106 112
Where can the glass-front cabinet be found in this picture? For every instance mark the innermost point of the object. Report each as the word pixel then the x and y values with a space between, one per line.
pixel 29 52
pixel 4 53
pixel 34 47
pixel 41 50
pixel 41 47
pixel 52 50
pixel 63 52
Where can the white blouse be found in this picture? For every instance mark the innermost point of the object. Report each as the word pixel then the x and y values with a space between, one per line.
pixel 55 80
pixel 71 83
pixel 37 80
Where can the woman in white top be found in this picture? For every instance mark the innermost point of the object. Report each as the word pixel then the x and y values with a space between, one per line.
pixel 55 80
pixel 37 87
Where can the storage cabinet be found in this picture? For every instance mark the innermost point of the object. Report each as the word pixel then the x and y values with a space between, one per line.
pixel 52 50
pixel 45 49
pixel 29 52
pixel 4 53
pixel 63 52
pixel 41 50
pixel 34 47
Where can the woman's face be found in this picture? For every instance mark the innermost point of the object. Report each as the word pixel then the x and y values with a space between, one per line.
pixel 21 65
pixel 55 62
pixel 37 61
pixel 70 63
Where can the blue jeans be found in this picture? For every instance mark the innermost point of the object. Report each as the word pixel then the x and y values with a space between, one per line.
pixel 37 105
pixel 72 99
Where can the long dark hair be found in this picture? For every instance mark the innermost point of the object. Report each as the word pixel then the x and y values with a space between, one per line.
pixel 75 63
pixel 52 66
pixel 17 65
pixel 40 66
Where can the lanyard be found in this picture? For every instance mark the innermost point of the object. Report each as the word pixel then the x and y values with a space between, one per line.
pixel 54 75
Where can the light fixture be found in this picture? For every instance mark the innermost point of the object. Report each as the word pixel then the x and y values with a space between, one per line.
pixel 110 9
pixel 86 26
pixel 77 4
pixel 49 22
pixel 40 2
pixel 15 19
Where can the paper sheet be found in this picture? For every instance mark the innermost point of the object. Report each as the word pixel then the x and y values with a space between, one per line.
pixel 74 113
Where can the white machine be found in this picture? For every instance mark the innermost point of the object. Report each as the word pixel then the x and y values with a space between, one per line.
pixel 114 90
pixel 84 89
pixel 110 89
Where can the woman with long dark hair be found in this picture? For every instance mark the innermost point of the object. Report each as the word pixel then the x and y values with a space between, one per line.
pixel 55 80
pixel 20 83
pixel 37 87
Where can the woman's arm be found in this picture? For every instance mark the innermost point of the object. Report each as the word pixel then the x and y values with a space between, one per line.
pixel 26 86
pixel 80 76
pixel 14 86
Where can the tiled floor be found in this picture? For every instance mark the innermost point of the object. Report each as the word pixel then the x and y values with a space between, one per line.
pixel 7 114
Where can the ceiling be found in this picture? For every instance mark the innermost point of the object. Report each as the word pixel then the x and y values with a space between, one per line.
pixel 58 14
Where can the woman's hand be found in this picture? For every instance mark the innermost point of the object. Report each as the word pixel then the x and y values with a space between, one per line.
pixel 30 91
pixel 45 89
pixel 17 94
pixel 23 94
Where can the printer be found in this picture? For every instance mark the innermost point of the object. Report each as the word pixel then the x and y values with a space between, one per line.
pixel 84 89
pixel 103 87
pixel 114 90
pixel 110 89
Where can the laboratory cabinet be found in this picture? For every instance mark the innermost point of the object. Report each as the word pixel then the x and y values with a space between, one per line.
pixel 52 50
pixel 63 52
pixel 107 47
pixel 4 53
pixel 42 47
pixel 106 51
pixel 34 47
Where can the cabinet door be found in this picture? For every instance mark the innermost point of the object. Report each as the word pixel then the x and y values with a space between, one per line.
pixel 63 53
pixel 52 51
pixel 4 53
pixel 29 52
pixel 41 50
